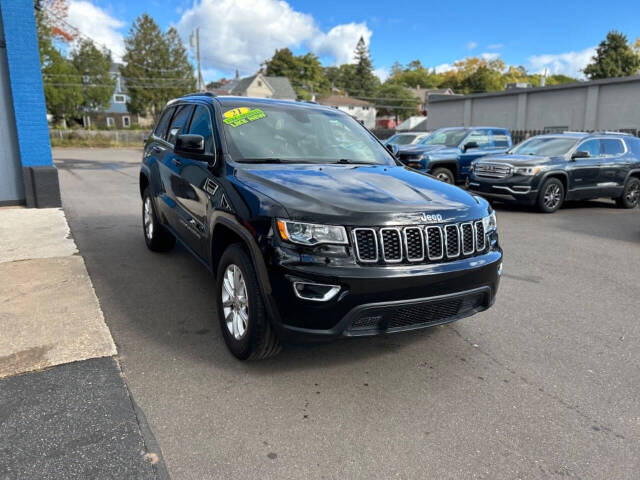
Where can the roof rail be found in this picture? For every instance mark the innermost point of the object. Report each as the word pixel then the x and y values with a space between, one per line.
pixel 581 133
pixel 611 132
pixel 200 94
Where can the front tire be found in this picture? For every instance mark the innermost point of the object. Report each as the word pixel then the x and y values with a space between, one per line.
pixel 444 175
pixel 551 196
pixel 245 325
pixel 630 195
pixel 157 238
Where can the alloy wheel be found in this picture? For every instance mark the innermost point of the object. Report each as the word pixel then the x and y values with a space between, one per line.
pixel 148 218
pixel 443 177
pixel 552 196
pixel 235 302
pixel 633 194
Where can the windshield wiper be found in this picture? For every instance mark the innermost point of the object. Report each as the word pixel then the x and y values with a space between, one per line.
pixel 264 160
pixel 346 161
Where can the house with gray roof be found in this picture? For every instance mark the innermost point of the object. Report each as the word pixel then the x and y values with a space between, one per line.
pixel 260 86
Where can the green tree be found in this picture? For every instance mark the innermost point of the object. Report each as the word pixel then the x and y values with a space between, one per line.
pixel 62 82
pixel 157 68
pixel 305 72
pixel 395 99
pixel 614 58
pixel 414 75
pixel 93 66
pixel 341 77
pixel 364 83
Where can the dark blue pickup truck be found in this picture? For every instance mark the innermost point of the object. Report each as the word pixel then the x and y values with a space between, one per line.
pixel 448 152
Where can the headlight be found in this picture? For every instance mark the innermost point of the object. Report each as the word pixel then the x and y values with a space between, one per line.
pixel 489 223
pixel 528 170
pixel 311 233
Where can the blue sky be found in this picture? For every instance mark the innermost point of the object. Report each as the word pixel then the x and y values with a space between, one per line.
pixel 559 36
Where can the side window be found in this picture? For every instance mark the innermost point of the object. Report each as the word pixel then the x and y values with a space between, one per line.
pixel 179 122
pixel 612 147
pixel 481 137
pixel 591 146
pixel 161 127
pixel 500 138
pixel 201 125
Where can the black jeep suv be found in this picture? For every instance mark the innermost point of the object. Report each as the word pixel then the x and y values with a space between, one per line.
pixel 312 228
pixel 548 169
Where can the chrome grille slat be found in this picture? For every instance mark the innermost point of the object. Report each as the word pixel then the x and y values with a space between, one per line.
pixel 467 240
pixel 451 236
pixel 362 239
pixel 414 243
pixel 435 243
pixel 480 236
pixel 391 243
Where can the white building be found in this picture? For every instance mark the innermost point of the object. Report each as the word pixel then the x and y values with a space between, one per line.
pixel 361 110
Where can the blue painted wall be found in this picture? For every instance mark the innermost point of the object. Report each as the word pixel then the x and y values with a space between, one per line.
pixel 25 79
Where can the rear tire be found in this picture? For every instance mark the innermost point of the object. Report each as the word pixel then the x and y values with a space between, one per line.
pixel 245 325
pixel 157 238
pixel 444 175
pixel 630 195
pixel 551 196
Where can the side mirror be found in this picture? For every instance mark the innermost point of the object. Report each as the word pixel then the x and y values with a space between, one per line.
pixel 393 148
pixel 470 145
pixel 580 154
pixel 189 144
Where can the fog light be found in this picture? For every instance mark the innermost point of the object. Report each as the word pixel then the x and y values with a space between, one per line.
pixel 316 292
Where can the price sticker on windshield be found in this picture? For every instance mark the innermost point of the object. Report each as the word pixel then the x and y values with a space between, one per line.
pixel 240 116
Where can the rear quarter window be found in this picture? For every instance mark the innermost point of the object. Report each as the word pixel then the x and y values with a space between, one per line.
pixel 634 145
pixel 612 146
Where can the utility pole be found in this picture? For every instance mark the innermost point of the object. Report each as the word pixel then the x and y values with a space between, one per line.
pixel 200 82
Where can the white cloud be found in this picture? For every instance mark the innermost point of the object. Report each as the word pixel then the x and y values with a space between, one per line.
pixel 471 45
pixel 382 73
pixel 489 56
pixel 340 42
pixel 570 63
pixel 243 33
pixel 98 25
pixel 443 67
pixel 495 46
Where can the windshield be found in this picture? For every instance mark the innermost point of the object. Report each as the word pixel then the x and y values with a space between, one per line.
pixel 448 138
pixel 401 139
pixel 545 146
pixel 298 133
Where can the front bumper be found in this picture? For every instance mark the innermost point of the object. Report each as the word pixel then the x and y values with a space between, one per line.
pixel 383 299
pixel 518 189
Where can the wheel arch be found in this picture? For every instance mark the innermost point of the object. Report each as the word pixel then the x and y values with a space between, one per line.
pixel 143 181
pixel 635 173
pixel 450 164
pixel 562 176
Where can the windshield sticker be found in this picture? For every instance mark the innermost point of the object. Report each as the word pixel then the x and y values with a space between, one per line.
pixel 240 116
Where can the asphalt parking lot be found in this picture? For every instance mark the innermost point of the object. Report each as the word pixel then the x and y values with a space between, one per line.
pixel 545 384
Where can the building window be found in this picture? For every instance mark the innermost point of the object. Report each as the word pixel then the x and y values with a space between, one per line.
pixel 111 122
pixel 119 99
pixel 350 107
pixel 126 121
pixel 259 83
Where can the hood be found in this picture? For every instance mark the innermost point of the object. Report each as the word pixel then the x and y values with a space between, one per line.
pixel 520 160
pixel 428 149
pixel 360 194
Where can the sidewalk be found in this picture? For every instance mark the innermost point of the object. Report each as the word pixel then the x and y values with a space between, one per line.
pixel 76 418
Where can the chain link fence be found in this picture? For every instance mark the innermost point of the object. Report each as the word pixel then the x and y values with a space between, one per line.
pixel 115 138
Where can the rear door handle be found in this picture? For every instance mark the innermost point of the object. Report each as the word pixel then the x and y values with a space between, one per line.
pixel 177 162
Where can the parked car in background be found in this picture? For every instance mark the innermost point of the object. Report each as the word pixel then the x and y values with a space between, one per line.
pixel 448 152
pixel 406 138
pixel 546 170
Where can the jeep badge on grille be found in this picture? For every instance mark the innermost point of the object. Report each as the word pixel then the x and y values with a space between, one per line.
pixel 428 218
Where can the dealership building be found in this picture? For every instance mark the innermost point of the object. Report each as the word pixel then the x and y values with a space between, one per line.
pixel 27 174
pixel 609 104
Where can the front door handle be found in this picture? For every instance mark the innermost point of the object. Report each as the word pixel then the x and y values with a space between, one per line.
pixel 177 162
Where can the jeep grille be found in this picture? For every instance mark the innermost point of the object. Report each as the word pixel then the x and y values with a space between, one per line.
pixel 432 243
